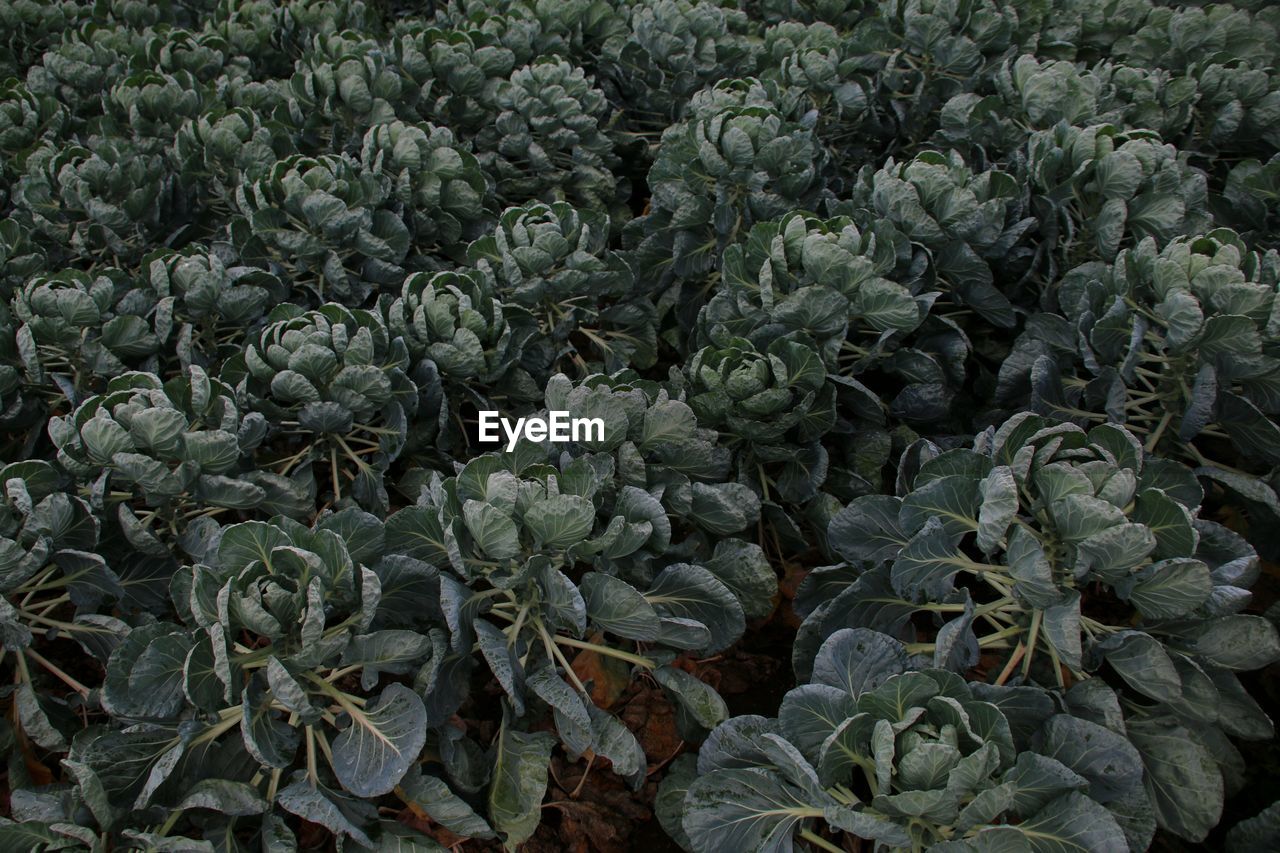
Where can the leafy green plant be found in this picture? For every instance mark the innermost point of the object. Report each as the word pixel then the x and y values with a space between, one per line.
pixel 555 261
pixel 211 298
pixel 312 612
pixel 1177 341
pixel 511 537
pixel 907 759
pixel 813 59
pixel 107 202
pixel 24 119
pixel 437 181
pixel 826 280
pixel 221 150
pixel 151 106
pixel 533 28
pixel 456 72
pixel 161 455
pixel 922 347
pixel 841 14
pixel 546 141
pixel 78 68
pixel 332 383
pixel 920 53
pixel 76 330
pixel 715 176
pixel 1071 558
pixel 48 539
pixel 30 27
pixel 672 49
pixel 325 219
pixel 957 222
pixel 1097 189
pixel 653 442
pixel 463 345
pixel 346 87
pixel 773 405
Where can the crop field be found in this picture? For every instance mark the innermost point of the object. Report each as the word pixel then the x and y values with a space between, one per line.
pixel 721 426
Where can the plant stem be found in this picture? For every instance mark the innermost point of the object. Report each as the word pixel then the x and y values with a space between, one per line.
pixel 818 841
pixel 638 660
pixel 311 757
pixel 233 717
pixel 170 823
pixel 1154 439
pixel 553 651
pixel 1036 618
pixel 62 676
pixel 1012 664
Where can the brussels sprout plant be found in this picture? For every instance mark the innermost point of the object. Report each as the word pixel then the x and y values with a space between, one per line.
pixel 775 425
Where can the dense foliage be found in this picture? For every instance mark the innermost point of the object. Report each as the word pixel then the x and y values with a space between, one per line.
pixel 935 344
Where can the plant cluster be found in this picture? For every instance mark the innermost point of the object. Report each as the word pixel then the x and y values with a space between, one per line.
pixel 935 340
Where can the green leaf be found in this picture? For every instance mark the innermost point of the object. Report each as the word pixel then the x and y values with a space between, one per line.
pixel 1182 780
pixel 1169 521
pixel 867 530
pixel 724 508
pixel 1107 760
pixel 1062 629
pixel 1072 822
pixel 614 741
pixel 746 571
pixel 1037 779
pixel 391 650
pixel 33 835
pixel 241 544
pixel 748 809
pixel 683 591
pixel 159 431
pixel 433 796
pixel 615 606
pixel 226 796
pixel 155 690
pixel 925 568
pixel 667 422
pixel 1079 517
pixel 927 766
pixel 954 501
pixel 494 531
pixel 320 805
pixel 416 531
pixel 809 714
pixel 503 663
pixel 999 507
pixel 288 691
pixel 270 740
pixel 864 824
pixel 519 783
pixel 372 755
pixel 572 720
pixel 858 660
pixel 672 790
pixel 1258 834
pixel 1168 589
pixel 1237 642
pixel 1030 569
pixel 560 520
pixel 1114 552
pixel 892 700
pixel 34 716
pixel 698 706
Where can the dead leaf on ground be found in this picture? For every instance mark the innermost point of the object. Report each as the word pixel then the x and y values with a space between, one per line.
pixel 608 676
